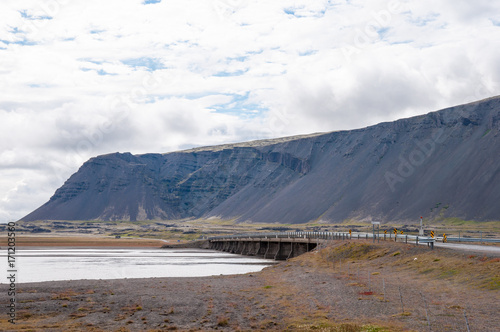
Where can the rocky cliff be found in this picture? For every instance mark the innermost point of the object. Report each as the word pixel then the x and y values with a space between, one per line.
pixel 442 164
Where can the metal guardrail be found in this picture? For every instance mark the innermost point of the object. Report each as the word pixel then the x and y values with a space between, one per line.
pixel 284 235
pixel 469 239
pixel 354 235
pixel 327 236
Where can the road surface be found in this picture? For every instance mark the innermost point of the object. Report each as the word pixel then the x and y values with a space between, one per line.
pixel 470 247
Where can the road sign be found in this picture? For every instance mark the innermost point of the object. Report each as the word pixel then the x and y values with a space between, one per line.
pixel 432 234
pixel 350 232
pixel 395 231
pixel 385 232
pixel 444 238
pixel 401 232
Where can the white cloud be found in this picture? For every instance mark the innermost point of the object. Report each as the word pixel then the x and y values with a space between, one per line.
pixel 84 78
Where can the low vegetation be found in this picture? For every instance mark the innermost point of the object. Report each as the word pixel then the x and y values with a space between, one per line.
pixel 475 271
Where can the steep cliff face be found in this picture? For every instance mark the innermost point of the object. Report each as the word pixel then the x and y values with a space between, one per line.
pixel 445 163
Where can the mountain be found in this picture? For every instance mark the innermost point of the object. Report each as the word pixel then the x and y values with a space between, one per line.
pixel 442 164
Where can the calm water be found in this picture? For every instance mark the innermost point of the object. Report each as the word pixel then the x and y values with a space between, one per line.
pixel 76 264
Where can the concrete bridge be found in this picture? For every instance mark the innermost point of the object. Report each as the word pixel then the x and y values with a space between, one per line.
pixel 285 245
pixel 278 246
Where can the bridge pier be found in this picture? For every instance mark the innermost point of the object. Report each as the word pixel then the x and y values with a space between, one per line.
pixel 262 248
pixel 272 248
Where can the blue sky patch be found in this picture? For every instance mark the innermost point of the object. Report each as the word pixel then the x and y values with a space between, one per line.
pixel 293 12
pixel 15 30
pixel 238 58
pixel 39 86
pixel 423 21
pixel 23 42
pixel 240 106
pixel 308 52
pixel 151 64
pixel 383 31
pixel 97 62
pixel 24 14
pixel 401 42
pixel 102 72
pixel 230 74
pixel 149 2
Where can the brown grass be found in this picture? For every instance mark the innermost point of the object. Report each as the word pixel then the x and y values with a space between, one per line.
pixel 454 266
pixel 65 295
pixel 222 321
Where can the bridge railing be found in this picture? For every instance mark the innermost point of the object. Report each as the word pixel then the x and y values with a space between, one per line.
pixel 327 236
pixel 470 239
pixel 286 235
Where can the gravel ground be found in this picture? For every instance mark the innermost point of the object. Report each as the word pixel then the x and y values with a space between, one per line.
pixel 305 293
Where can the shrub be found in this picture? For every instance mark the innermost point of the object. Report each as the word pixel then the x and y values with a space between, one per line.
pixel 222 321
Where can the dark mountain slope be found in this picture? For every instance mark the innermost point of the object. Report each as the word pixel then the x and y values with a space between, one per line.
pixel 444 163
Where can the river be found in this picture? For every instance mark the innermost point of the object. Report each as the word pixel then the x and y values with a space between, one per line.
pixel 50 264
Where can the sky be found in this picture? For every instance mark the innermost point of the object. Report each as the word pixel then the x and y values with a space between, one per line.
pixel 84 78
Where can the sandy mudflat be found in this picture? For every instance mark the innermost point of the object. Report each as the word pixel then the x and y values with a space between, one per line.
pixel 313 291
pixel 85 241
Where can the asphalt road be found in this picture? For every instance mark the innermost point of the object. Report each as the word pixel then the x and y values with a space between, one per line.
pixel 470 248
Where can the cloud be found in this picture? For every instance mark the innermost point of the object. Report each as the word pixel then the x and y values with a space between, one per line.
pixel 80 79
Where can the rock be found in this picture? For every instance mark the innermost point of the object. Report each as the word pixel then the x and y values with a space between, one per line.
pixel 442 164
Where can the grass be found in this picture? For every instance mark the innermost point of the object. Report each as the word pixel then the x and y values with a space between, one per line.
pixel 353 251
pixel 476 272
pixel 131 309
pixel 493 283
pixel 65 295
pixel 334 327
pixel 222 321
pixel 458 222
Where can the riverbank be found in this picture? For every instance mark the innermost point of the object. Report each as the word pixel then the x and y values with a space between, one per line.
pixel 347 286
pixel 89 241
